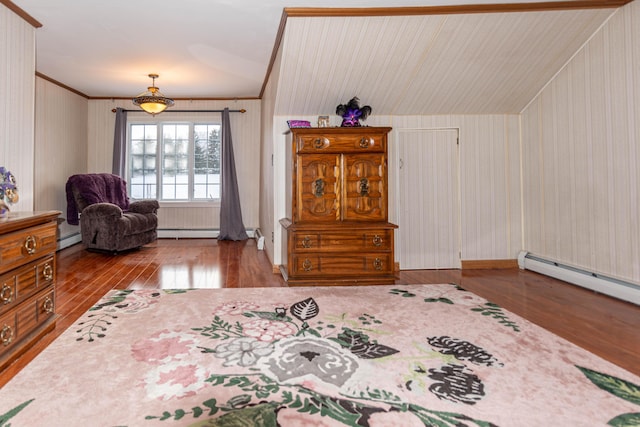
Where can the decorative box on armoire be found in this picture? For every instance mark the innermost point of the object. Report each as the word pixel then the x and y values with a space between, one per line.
pixel 338 231
pixel 28 242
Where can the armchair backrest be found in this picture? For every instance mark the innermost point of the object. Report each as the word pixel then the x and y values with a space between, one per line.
pixel 86 189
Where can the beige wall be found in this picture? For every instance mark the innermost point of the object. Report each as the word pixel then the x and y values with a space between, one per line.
pixel 61 147
pixel 489 177
pixel 491 226
pixel 17 56
pixel 175 218
pixel 581 156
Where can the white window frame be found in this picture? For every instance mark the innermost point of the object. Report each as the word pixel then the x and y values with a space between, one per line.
pixel 160 155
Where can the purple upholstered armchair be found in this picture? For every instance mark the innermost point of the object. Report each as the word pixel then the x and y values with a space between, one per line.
pixel 108 221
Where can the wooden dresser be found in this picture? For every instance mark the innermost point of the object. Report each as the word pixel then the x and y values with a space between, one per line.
pixel 27 280
pixel 338 230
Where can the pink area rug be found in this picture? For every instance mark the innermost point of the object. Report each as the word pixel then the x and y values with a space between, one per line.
pixel 418 355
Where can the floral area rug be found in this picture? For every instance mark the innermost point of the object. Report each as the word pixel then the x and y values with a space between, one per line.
pixel 416 355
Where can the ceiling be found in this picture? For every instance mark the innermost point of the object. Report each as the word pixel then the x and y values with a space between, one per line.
pixel 422 64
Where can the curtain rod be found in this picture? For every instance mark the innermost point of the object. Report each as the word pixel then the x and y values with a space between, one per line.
pixel 186 111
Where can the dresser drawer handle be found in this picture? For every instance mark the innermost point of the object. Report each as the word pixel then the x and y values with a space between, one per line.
pixel 306 265
pixel 318 143
pixel 6 335
pixel 364 142
pixel 377 240
pixel 47 271
pixel 306 242
pixel 377 264
pixel 6 294
pixel 47 305
pixel 30 245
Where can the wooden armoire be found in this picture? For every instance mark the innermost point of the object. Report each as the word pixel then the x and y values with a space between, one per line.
pixel 338 231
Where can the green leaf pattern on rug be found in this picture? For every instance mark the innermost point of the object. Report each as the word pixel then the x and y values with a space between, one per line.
pixel 114 299
pixel 111 305
pixel 4 418
pixel 495 311
pixel 344 410
pixel 619 388
pixel 221 329
pixel 95 327
pixel 488 309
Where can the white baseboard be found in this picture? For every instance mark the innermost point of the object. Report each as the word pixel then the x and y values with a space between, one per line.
pixel 69 240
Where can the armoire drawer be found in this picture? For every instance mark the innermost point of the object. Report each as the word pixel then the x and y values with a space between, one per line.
pixel 348 241
pixel 341 143
pixel 321 264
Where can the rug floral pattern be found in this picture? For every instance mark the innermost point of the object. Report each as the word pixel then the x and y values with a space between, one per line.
pixel 418 355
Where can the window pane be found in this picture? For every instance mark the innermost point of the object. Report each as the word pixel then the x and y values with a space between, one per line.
pixel 175 166
pixel 206 162
pixel 142 161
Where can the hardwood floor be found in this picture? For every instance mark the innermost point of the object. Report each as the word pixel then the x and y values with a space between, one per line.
pixel 605 326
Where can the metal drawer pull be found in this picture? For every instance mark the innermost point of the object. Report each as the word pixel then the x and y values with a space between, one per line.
pixel 30 245
pixel 318 187
pixel 47 271
pixel 377 240
pixel 377 264
pixel 307 265
pixel 306 242
pixel 6 335
pixel 318 143
pixel 364 142
pixel 6 294
pixel 47 305
pixel 363 187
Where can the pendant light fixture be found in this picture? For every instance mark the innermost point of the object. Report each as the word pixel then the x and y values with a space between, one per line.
pixel 152 101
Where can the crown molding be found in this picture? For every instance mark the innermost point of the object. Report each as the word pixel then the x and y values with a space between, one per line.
pixel 21 13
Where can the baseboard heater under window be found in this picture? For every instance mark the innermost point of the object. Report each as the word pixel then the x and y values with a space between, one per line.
pixel 197 233
pixel 606 285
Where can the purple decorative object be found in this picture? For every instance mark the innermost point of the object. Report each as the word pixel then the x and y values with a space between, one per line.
pixel 352 113
pixel 8 191
pixel 299 123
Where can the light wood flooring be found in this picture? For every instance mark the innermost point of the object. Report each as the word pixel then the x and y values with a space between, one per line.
pixel 605 326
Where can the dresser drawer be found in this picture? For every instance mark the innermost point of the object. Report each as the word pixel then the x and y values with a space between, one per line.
pixel 341 265
pixel 23 246
pixel 341 143
pixel 21 283
pixel 348 241
pixel 18 323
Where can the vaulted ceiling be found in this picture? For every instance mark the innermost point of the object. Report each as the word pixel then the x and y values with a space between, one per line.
pixel 434 64
pixel 414 60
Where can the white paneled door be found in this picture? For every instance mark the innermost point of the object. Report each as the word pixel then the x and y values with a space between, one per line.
pixel 428 199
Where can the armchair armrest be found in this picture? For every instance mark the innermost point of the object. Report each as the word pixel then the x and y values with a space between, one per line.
pixel 144 206
pixel 102 210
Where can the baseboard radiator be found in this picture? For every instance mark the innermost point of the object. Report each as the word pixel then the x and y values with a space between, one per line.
pixel 259 239
pixel 616 288
pixel 198 233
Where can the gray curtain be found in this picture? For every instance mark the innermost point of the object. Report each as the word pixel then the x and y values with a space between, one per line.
pixel 120 143
pixel 231 226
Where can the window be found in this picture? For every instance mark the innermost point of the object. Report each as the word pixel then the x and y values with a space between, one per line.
pixel 174 161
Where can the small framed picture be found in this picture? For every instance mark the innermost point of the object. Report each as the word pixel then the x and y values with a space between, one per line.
pixel 323 121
